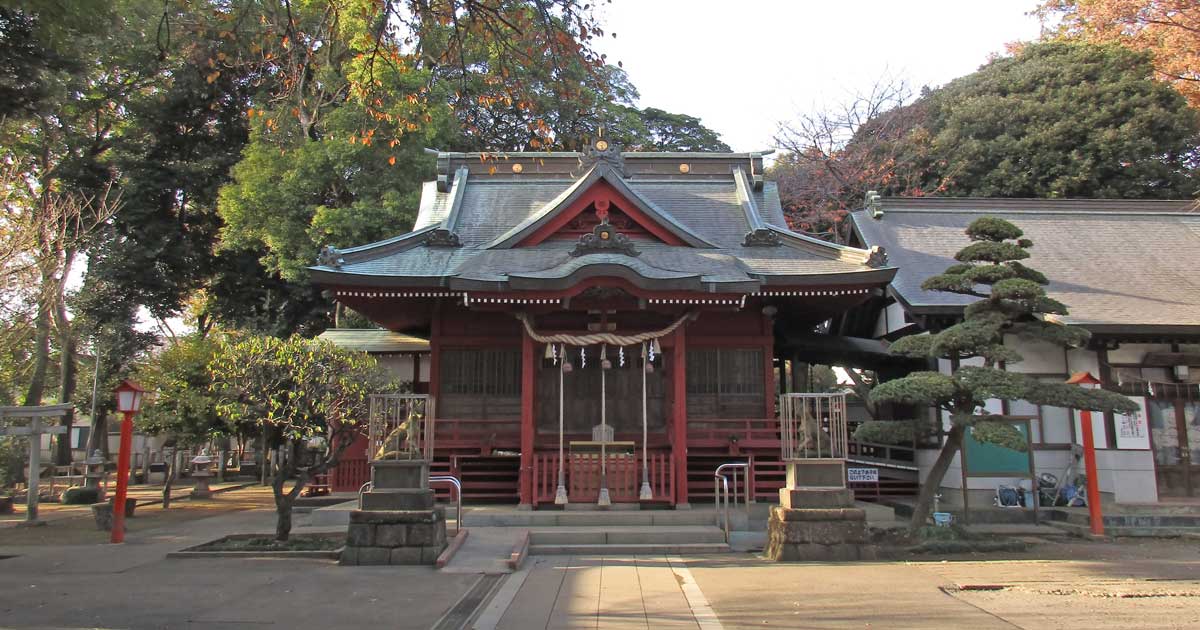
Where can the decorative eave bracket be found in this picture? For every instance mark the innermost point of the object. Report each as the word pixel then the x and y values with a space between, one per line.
pixel 876 257
pixel 604 239
pixel 329 256
pixel 762 237
pixel 442 237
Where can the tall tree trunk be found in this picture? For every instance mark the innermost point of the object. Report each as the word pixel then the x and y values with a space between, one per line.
pixel 284 501
pixel 933 482
pixel 66 390
pixel 168 480
pixel 41 356
pixel 98 438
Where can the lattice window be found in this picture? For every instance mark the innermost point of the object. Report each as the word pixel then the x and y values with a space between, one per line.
pixel 480 383
pixel 725 382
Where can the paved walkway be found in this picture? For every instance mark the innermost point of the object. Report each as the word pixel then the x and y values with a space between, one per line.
pixel 1119 585
pixel 604 592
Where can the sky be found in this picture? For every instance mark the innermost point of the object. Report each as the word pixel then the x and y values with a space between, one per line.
pixel 744 66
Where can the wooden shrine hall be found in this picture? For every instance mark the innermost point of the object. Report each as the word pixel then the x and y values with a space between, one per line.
pixel 602 325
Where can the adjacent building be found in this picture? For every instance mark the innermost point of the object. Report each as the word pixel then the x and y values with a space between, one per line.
pixel 1127 271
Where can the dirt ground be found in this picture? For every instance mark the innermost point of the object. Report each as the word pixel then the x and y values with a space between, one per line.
pixel 1120 584
pixel 74 524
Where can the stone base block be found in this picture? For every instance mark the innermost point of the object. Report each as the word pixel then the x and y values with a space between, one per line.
pixel 815 473
pixel 402 473
pixel 398 499
pixel 812 498
pixel 821 553
pixel 395 537
pixel 829 534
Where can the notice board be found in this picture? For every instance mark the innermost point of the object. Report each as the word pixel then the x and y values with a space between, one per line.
pixel 982 459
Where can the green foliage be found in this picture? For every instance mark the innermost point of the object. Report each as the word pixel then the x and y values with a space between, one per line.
pixel 14 459
pixel 298 387
pixel 652 129
pixel 918 388
pixel 994 230
pixel 1001 434
pixel 184 405
pixel 1061 120
pixel 891 431
pixel 991 251
pixel 81 495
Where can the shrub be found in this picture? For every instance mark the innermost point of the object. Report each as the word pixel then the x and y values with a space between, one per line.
pixel 81 495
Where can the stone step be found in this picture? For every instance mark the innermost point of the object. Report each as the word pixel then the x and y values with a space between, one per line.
pixel 1080 529
pixel 1079 516
pixel 649 535
pixel 556 518
pixel 630 549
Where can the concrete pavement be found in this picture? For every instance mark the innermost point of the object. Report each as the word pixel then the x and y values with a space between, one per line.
pixel 1060 583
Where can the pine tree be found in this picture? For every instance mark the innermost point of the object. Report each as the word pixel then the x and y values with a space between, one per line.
pixel 1012 302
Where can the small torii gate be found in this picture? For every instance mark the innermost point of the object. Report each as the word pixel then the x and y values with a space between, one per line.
pixel 35 430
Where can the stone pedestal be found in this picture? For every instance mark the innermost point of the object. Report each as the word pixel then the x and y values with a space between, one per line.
pixel 816 519
pixel 94 480
pixel 398 522
pixel 201 489
pixel 395 537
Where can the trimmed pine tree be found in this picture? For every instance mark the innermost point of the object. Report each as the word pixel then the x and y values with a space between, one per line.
pixel 1011 301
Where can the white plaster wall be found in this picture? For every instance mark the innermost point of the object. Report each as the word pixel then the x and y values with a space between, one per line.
pixel 1134 352
pixel 891 319
pixel 1128 475
pixel 1040 357
pixel 1082 360
pixel 398 366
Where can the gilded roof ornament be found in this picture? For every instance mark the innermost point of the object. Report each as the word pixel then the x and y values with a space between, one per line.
pixel 602 151
pixel 604 239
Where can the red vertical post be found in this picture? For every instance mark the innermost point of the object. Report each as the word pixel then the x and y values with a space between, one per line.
pixel 1095 514
pixel 769 381
pixel 435 359
pixel 118 508
pixel 679 414
pixel 528 361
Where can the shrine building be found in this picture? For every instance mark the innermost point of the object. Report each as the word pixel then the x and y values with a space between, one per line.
pixel 626 306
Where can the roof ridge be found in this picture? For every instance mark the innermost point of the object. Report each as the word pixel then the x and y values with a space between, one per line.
pixel 595 174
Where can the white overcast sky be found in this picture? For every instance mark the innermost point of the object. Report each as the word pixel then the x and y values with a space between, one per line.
pixel 744 66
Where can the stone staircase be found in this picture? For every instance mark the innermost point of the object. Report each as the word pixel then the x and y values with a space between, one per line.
pixel 624 539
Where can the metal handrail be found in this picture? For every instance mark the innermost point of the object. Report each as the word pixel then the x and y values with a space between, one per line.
pixel 362 490
pixel 721 489
pixel 458 516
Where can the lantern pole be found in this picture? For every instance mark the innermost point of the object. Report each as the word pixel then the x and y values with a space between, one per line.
pixel 129 401
pixel 118 508
pixel 1095 512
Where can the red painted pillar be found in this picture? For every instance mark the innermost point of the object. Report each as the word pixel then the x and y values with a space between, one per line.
pixel 435 360
pixel 123 455
pixel 679 414
pixel 528 361
pixel 1093 476
pixel 769 381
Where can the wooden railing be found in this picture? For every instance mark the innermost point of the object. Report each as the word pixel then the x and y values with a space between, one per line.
pixel 707 432
pixel 898 456
pixel 624 477
pixel 483 434
pixel 350 474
